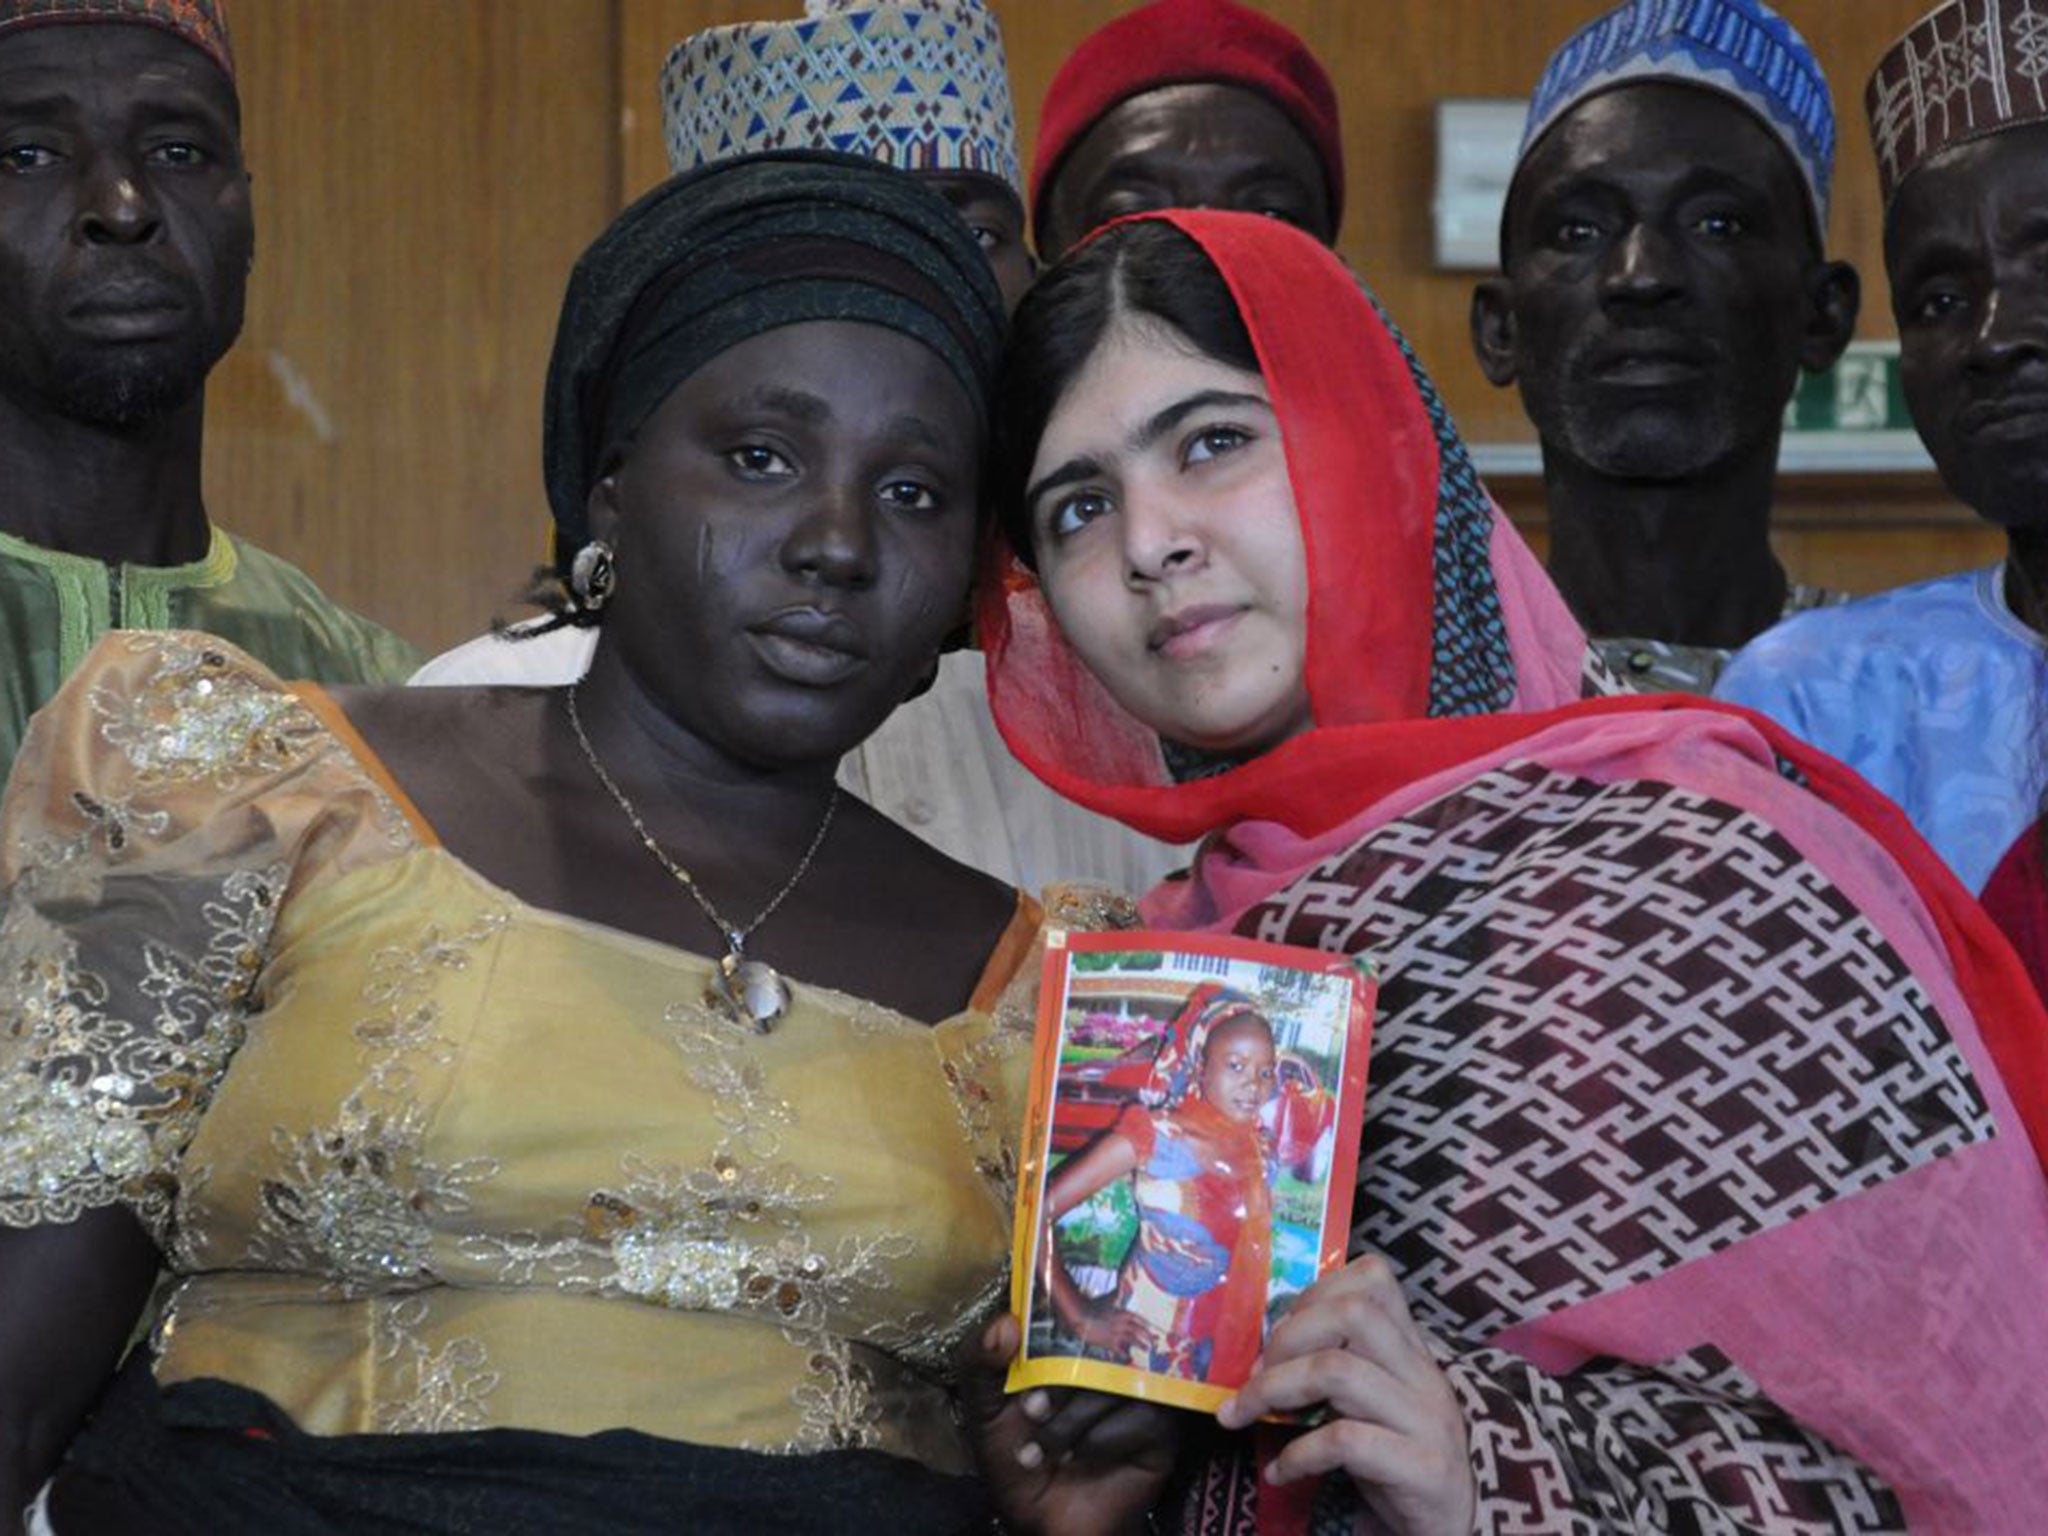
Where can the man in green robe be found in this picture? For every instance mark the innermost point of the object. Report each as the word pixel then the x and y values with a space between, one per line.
pixel 125 245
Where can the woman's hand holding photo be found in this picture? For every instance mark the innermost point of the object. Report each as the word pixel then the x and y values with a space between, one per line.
pixel 1394 1425
pixel 1063 1462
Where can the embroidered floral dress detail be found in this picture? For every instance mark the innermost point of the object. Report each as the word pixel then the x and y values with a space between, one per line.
pixel 358 1198
pixel 110 1044
pixel 443 1389
pixel 200 718
pixel 712 1239
pixel 731 1079
pixel 836 1405
pixel 973 1072
pixel 738 1243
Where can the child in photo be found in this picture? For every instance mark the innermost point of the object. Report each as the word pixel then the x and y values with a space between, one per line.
pixel 1190 1294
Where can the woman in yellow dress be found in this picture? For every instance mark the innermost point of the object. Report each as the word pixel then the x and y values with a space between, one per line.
pixel 553 1108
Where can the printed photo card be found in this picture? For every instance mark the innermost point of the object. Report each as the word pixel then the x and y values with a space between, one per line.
pixel 1189 1156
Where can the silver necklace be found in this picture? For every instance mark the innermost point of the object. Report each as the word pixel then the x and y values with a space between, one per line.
pixel 751 991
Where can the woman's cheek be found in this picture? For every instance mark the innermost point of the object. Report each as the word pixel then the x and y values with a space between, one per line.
pixel 1091 613
pixel 1119 661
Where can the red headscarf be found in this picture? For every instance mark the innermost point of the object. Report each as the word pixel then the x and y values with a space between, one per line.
pixel 1177 1069
pixel 1408 563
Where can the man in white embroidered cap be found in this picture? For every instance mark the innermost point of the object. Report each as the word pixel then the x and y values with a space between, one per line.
pixel 1930 691
pixel 836 80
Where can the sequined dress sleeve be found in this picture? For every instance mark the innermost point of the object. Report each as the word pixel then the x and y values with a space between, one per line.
pixel 161 811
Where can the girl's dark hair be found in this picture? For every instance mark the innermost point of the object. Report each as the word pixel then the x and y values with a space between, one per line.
pixel 1143 268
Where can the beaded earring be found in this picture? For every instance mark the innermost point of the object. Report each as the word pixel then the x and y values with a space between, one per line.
pixel 592 576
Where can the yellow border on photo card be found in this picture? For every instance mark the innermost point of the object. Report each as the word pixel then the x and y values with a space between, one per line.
pixel 1045 1051
pixel 1102 1376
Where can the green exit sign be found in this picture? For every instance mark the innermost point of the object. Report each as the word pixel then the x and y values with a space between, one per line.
pixel 1861 393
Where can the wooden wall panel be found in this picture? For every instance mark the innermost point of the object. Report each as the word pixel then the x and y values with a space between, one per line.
pixel 425 174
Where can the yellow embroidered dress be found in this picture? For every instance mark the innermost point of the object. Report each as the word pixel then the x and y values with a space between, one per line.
pixel 422 1157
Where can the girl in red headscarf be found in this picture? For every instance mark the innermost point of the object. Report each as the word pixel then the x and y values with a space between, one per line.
pixel 1190 1299
pixel 1701 1182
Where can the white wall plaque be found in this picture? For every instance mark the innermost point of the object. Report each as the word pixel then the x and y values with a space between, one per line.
pixel 1476 140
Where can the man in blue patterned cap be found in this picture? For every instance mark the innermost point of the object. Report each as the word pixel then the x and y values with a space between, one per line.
pixel 125 243
pixel 1663 284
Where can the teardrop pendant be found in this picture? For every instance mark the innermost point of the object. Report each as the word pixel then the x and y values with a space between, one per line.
pixel 753 993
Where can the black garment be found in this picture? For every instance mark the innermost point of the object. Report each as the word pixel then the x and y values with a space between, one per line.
pixel 207 1458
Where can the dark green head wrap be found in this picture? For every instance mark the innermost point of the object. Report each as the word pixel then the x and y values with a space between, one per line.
pixel 722 254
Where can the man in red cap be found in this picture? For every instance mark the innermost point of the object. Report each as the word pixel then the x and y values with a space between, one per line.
pixel 125 243
pixel 1187 104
